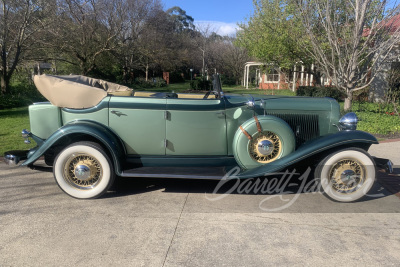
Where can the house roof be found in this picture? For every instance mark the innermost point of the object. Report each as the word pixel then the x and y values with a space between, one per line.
pixel 393 24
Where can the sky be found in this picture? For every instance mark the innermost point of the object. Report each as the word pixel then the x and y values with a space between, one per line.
pixel 222 16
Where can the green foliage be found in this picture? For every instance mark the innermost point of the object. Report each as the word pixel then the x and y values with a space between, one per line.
pixel 376 118
pixel 200 84
pixel 271 34
pixel 378 123
pixel 241 90
pixel 228 81
pixel 176 77
pixel 182 21
pixel 22 92
pixel 320 91
pixel 150 83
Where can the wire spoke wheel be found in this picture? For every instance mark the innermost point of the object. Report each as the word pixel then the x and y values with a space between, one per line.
pixel 265 147
pixel 346 175
pixel 83 171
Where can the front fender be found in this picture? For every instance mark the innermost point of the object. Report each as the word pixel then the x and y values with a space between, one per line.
pixel 98 131
pixel 348 138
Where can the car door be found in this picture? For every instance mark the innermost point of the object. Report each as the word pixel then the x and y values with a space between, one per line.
pixel 196 127
pixel 140 123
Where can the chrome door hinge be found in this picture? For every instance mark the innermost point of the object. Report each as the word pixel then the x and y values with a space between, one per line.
pixel 165 143
pixel 166 115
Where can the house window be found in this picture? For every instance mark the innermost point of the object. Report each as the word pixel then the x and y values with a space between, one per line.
pixel 272 76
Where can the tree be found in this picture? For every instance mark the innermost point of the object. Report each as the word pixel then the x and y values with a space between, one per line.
pixel 140 13
pixel 182 21
pixel 346 38
pixel 269 35
pixel 226 57
pixel 21 22
pixel 84 30
pixel 393 92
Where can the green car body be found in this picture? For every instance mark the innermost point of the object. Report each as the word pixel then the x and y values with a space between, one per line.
pixel 174 132
pixel 165 128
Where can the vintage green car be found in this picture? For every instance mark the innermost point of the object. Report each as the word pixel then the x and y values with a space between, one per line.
pixel 94 130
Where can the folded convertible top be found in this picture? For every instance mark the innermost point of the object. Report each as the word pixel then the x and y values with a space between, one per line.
pixel 76 91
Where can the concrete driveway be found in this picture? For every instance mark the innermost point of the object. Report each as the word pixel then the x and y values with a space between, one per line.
pixel 182 223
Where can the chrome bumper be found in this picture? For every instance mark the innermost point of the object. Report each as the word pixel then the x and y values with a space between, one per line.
pixel 385 164
pixel 12 158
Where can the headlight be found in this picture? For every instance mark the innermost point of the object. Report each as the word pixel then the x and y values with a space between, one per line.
pixel 348 122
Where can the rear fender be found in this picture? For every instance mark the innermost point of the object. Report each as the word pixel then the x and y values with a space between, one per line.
pixel 96 130
pixel 338 140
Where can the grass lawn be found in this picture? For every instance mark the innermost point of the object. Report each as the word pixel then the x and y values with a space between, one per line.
pixel 12 122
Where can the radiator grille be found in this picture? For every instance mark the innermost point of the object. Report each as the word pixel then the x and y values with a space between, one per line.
pixel 305 126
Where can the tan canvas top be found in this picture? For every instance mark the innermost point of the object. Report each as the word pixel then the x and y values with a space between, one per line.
pixel 76 91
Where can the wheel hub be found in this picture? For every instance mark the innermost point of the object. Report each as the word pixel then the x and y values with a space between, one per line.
pixel 83 171
pixel 265 147
pixel 347 176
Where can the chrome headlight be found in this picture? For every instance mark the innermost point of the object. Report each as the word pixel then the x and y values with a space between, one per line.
pixel 348 122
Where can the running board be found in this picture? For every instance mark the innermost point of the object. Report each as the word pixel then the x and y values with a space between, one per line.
pixel 211 173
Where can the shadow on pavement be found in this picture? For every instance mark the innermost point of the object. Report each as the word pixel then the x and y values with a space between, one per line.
pixel 129 186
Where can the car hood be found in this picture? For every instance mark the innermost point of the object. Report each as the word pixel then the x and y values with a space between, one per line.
pixel 284 103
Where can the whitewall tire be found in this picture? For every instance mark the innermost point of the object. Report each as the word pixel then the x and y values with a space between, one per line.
pixel 346 175
pixel 83 170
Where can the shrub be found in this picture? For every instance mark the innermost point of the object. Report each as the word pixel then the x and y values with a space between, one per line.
pixel 228 81
pixel 176 77
pixel 305 91
pixel 150 83
pixel 22 92
pixel 200 84
pixel 320 91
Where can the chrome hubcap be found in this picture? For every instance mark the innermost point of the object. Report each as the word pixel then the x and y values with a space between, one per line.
pixel 347 176
pixel 82 171
pixel 265 147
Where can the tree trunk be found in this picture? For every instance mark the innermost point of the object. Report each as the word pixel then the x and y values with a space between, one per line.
pixel 147 72
pixel 4 84
pixel 348 100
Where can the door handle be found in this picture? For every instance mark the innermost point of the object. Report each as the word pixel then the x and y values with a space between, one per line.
pixel 220 114
pixel 118 113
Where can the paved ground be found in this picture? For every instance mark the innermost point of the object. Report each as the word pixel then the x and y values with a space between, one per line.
pixel 174 223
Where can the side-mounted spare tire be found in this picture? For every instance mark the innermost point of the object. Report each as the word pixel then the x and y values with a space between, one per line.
pixel 262 140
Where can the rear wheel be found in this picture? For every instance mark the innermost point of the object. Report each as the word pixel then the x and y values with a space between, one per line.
pixel 346 175
pixel 83 170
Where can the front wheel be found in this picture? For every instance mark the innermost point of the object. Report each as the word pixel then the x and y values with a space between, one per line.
pixel 346 175
pixel 83 170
